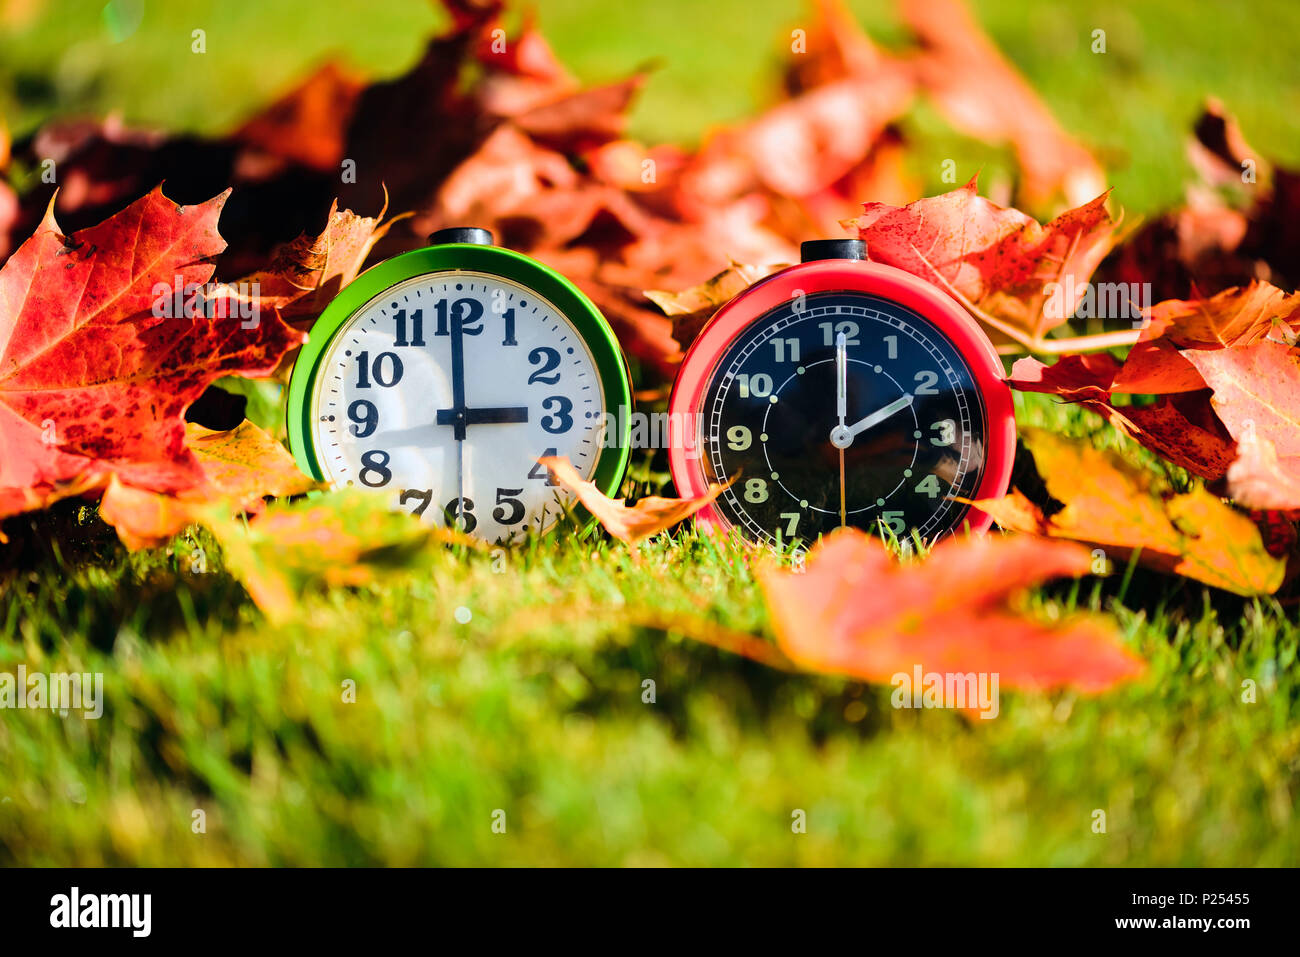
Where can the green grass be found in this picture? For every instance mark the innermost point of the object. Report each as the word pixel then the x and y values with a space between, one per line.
pixel 534 706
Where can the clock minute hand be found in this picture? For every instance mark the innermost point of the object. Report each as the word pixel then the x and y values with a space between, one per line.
pixel 841 377
pixel 841 410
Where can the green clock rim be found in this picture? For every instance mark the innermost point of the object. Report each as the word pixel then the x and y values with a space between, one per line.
pixel 468 257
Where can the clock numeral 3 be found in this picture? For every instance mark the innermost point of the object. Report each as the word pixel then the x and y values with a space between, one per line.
pixel 561 421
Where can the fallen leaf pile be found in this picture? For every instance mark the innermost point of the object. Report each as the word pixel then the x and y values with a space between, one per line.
pixel 489 128
pixel 1105 501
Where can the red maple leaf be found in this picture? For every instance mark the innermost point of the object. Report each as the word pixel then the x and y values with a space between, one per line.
pixel 96 366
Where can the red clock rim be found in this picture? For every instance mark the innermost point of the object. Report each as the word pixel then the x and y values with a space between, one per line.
pixel 841 275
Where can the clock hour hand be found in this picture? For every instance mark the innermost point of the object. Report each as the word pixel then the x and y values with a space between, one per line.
pixel 842 437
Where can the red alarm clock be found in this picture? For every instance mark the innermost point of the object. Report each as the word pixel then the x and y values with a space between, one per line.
pixel 842 392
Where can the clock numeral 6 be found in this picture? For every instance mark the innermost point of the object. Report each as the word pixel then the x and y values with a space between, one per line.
pixel 386 377
pixel 505 497
pixel 375 462
pixel 561 421
pixel 459 513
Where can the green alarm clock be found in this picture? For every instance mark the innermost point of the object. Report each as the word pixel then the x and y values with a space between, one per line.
pixel 439 377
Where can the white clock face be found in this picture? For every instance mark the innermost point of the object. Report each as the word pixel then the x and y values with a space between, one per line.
pixel 444 390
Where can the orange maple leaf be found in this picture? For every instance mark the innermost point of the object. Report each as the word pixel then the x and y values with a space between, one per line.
pixel 856 611
pixel 628 523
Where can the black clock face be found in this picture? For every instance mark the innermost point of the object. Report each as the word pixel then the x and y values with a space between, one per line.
pixel 911 437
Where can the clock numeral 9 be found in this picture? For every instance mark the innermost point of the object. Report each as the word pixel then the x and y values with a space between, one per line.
pixel 758 386
pixel 365 418
pixel 739 438
pixel 385 377
pixel 548 359
pixel 561 421
pixel 375 462
pixel 831 329
pixel 505 497
pixel 459 513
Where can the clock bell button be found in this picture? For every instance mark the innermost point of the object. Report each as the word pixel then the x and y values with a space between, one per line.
pixel 817 249
pixel 473 235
